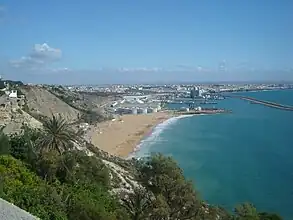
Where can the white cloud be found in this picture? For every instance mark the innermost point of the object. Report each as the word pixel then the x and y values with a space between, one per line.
pixel 176 68
pixel 41 56
pixel 45 53
pixel 27 62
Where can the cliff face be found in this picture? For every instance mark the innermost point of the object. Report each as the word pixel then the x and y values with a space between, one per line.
pixel 42 102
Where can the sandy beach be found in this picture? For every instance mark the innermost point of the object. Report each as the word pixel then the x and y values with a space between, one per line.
pixel 121 136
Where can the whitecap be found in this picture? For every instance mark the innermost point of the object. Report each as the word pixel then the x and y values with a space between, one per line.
pixel 142 149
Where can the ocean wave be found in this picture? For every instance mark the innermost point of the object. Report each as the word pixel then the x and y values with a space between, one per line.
pixel 142 149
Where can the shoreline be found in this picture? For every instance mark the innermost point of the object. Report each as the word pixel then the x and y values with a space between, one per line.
pixel 156 130
pixel 121 136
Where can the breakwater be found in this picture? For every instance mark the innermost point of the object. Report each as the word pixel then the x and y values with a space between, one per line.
pixel 263 102
pixel 203 111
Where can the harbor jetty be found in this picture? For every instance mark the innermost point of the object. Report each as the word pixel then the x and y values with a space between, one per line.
pixel 263 102
pixel 205 111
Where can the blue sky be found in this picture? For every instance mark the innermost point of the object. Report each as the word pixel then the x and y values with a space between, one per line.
pixel 115 41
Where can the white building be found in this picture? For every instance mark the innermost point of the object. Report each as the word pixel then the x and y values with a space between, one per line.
pixel 13 94
pixel 134 111
pixel 114 104
pixel 84 126
pixel 198 108
pixel 145 111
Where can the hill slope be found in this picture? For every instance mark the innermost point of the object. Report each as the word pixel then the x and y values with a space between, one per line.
pixel 42 102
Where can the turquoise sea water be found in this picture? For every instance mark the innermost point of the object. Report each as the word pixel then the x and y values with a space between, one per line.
pixel 238 157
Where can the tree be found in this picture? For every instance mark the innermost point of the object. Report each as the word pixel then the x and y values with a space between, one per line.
pixel 92 117
pixel 48 165
pixel 269 216
pixel 162 176
pixel 138 204
pixel 82 168
pixel 246 211
pixel 57 135
pixel 160 209
pixel 23 146
pixel 4 142
pixel 93 202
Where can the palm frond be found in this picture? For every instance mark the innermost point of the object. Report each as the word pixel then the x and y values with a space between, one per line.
pixel 57 135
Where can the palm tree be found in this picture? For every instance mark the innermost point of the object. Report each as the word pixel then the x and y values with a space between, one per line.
pixel 57 135
pixel 137 204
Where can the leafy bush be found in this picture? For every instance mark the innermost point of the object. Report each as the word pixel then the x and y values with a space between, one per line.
pixel 92 117
pixel 4 143
pixel 93 202
pixel 22 146
pixel 86 169
pixel 26 108
pixel 27 191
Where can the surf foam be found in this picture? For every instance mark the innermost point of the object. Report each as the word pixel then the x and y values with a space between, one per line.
pixel 142 149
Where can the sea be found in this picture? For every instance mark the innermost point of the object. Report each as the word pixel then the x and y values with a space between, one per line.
pixel 245 156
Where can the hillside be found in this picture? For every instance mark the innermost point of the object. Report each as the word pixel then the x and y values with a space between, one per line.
pixel 14 120
pixel 42 102
pixel 12 117
pixel 91 105
pixel 82 100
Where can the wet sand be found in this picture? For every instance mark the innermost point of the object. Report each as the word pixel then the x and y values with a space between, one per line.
pixel 120 137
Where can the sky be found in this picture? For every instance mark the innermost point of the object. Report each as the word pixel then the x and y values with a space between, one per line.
pixel 146 41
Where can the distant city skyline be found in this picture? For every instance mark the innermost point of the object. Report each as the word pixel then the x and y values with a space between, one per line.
pixel 147 41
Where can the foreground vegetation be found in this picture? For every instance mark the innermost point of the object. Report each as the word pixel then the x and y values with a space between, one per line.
pixel 41 171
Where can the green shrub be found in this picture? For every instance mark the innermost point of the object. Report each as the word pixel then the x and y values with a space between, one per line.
pixel 27 191
pixel 4 142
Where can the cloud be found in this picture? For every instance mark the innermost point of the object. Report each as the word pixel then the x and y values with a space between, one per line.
pixel 41 57
pixel 176 68
pixel 45 53
pixel 27 62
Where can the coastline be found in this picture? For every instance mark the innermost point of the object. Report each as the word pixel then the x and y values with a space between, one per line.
pixel 120 137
